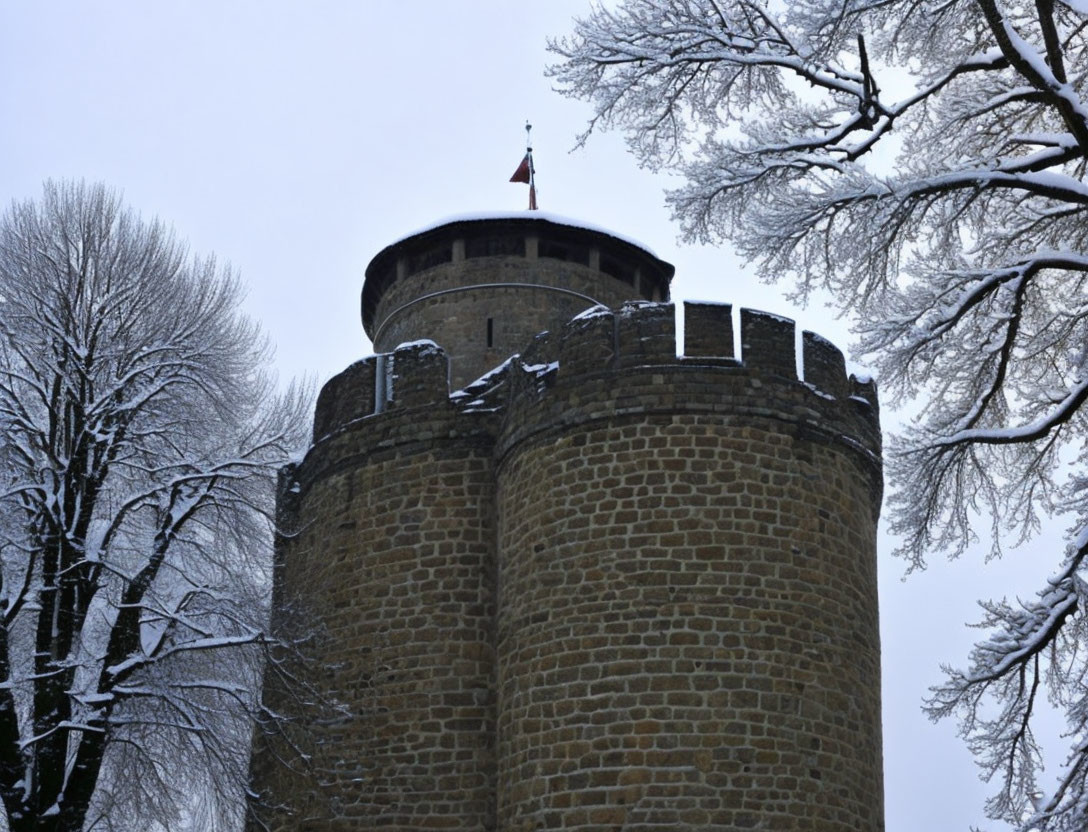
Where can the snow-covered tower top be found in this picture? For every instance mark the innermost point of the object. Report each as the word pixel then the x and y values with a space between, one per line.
pixel 482 285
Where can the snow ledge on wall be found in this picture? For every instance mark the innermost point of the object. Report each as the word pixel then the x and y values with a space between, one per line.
pixel 545 216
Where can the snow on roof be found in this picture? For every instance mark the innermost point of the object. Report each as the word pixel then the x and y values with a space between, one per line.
pixel 546 216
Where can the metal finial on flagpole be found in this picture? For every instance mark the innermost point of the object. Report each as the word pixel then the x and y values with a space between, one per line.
pixel 528 139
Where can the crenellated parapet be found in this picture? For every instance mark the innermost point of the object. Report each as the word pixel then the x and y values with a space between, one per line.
pixel 605 362
pixel 644 334
pixel 413 375
pixel 388 404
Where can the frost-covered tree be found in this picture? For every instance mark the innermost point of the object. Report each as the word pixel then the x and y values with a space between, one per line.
pixel 139 439
pixel 950 216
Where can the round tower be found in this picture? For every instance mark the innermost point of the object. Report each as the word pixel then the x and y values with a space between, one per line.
pixel 603 587
pixel 482 287
pixel 390 562
pixel 687 612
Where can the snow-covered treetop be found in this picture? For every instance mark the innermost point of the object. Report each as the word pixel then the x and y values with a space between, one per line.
pixel 927 165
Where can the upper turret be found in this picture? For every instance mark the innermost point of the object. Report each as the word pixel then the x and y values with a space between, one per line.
pixel 482 286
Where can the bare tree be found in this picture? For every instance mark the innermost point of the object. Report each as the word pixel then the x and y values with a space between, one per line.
pixel 964 263
pixel 139 439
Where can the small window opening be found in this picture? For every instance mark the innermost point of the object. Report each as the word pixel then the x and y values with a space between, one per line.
pixel 615 268
pixel 428 259
pixel 501 246
pixel 491 332
pixel 565 250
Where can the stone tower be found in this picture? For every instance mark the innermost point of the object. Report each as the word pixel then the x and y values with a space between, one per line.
pixel 601 587
pixel 483 288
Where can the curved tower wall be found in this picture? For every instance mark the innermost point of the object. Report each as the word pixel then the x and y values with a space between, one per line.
pixel 395 558
pixel 687 632
pixel 483 289
pixel 603 587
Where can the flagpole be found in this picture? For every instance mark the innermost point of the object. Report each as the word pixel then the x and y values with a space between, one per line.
pixel 532 172
pixel 526 171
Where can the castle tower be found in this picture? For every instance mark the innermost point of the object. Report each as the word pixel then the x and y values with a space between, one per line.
pixel 605 587
pixel 483 288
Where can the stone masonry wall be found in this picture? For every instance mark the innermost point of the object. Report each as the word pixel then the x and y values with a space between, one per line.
pixel 458 320
pixel 604 588
pixel 687 614
pixel 395 559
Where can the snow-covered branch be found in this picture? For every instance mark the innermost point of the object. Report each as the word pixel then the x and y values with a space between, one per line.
pixel 140 443
pixel 963 263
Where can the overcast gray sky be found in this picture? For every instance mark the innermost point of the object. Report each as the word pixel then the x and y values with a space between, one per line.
pixel 295 140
